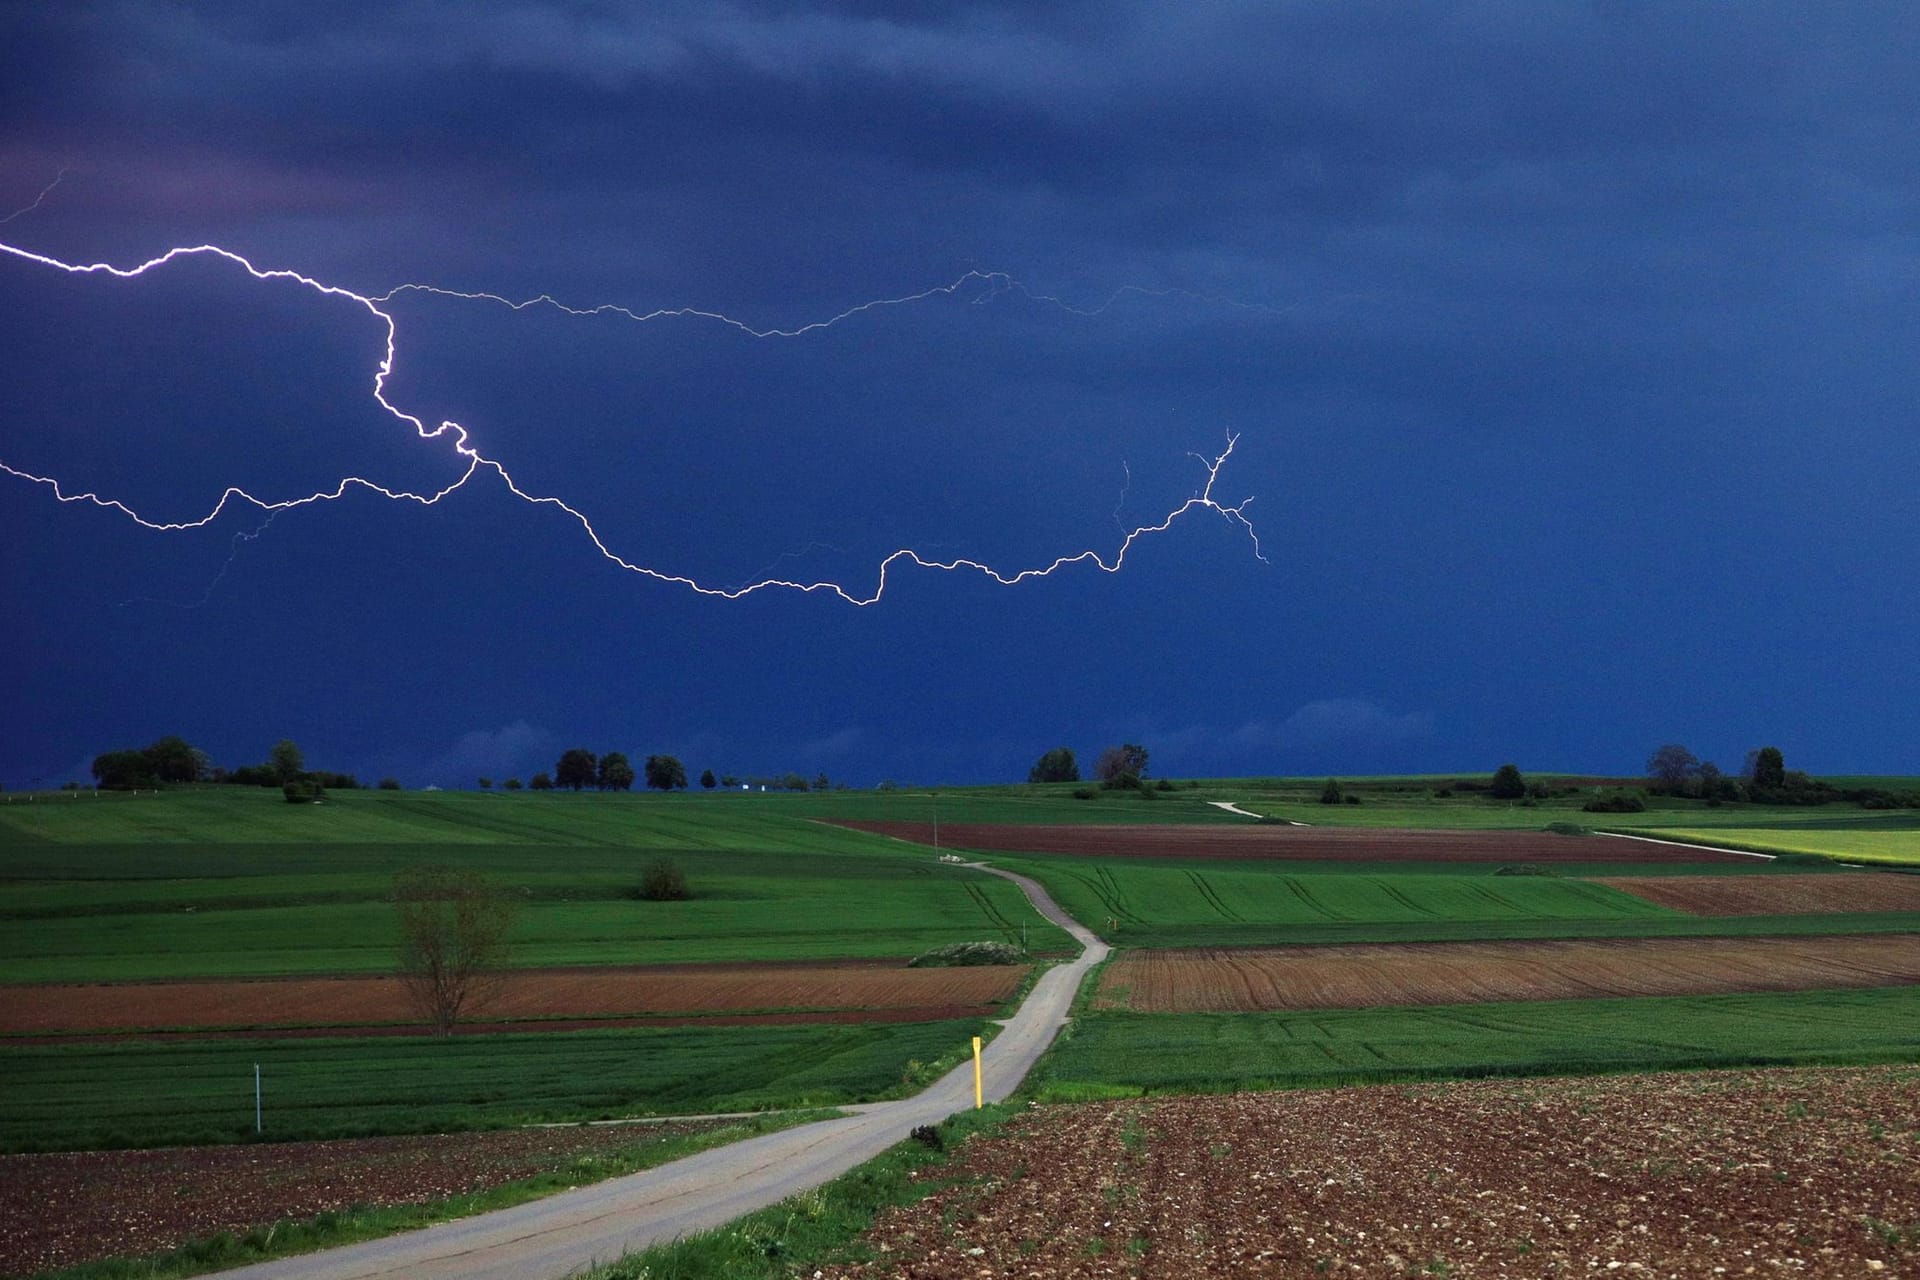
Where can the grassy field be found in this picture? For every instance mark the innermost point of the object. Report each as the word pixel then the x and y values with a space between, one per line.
pixel 1117 1054
pixel 1886 844
pixel 147 1093
pixel 131 887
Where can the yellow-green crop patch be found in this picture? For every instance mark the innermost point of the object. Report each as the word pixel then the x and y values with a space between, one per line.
pixel 1883 847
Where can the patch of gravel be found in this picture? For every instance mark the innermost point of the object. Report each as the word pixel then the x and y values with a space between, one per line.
pixel 1801 1172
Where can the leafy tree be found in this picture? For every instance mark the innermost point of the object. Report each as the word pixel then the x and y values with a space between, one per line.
pixel 615 773
pixel 665 773
pixel 541 782
pixel 1769 769
pixel 123 771
pixel 708 781
pixel 821 782
pixel 1507 783
pixel 1057 765
pixel 512 784
pixel 664 882
pixel 173 759
pixel 1672 766
pixel 794 782
pixel 389 784
pixel 486 784
pixel 286 761
pixel 576 769
pixel 453 940
pixel 1123 765
pixel 1331 793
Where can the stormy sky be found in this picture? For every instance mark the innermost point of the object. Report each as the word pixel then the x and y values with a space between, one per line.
pixel 1568 348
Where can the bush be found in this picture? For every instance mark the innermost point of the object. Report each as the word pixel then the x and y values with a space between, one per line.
pixel 960 955
pixel 1622 802
pixel 303 791
pixel 389 784
pixel 1163 785
pixel 1444 793
pixel 1330 794
pixel 664 882
pixel 1568 829
pixel 1084 793
pixel 1352 798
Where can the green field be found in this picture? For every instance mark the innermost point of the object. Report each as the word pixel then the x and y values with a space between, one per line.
pixel 133 887
pixel 147 1093
pixel 1888 844
pixel 1111 1054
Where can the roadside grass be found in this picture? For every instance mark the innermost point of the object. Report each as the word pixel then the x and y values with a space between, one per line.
pixel 1892 845
pixel 109 913
pixel 817 1227
pixel 369 1222
pixel 1104 1055
pixel 148 1093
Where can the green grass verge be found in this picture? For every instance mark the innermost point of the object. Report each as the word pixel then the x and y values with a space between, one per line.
pixel 147 1093
pixel 816 1228
pixel 1123 1054
pixel 369 1222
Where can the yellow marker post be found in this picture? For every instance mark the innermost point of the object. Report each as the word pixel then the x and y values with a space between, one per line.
pixel 978 1101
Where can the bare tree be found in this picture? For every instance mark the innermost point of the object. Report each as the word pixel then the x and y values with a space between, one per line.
pixel 453 940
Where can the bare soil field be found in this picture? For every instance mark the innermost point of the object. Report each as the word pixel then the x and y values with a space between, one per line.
pixel 554 997
pixel 1774 895
pixel 60 1209
pixel 1321 844
pixel 1368 975
pixel 1782 1172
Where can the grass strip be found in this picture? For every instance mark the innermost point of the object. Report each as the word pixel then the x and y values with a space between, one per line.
pixel 815 1228
pixel 369 1222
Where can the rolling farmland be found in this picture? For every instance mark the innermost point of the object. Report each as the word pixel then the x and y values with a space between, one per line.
pixel 1247 980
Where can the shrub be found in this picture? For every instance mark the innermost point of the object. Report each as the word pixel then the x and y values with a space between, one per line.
pixel 1084 793
pixel 389 784
pixel 1621 802
pixel 303 791
pixel 1444 793
pixel 664 882
pixel 959 955
pixel 1163 785
pixel 1351 798
pixel 1330 794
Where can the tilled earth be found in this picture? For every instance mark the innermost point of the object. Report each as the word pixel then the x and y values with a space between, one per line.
pixel 70 1207
pixel 1801 1172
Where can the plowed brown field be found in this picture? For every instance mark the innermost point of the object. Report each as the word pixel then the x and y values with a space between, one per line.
pixel 1775 895
pixel 355 1003
pixel 1768 1173
pixel 1365 976
pixel 61 1209
pixel 1324 844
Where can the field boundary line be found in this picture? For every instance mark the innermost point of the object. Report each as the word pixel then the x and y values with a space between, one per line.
pixel 1681 844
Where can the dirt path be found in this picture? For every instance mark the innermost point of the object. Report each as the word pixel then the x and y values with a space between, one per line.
pixel 596 1224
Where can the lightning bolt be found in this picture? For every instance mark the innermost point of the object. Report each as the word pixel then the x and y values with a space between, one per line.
pixel 44 193
pixel 476 462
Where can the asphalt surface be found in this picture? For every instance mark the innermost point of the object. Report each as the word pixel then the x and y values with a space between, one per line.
pixel 575 1230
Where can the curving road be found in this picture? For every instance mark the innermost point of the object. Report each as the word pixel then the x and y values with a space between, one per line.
pixel 577 1229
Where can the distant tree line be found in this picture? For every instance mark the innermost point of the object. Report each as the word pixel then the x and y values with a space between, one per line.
pixel 1764 778
pixel 173 761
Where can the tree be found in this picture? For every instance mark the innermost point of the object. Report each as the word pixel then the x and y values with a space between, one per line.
pixel 389 784
pixel 1123 765
pixel 173 759
pixel 1331 794
pixel 708 781
pixel 1769 768
pixel 541 782
pixel 123 771
pixel 1672 765
pixel 576 769
pixel 1057 765
pixel 286 761
pixel 664 881
pixel 821 782
pixel 453 940
pixel 486 784
pixel 615 773
pixel 511 784
pixel 665 773
pixel 1507 783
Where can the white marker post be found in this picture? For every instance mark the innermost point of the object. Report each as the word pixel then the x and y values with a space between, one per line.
pixel 978 1101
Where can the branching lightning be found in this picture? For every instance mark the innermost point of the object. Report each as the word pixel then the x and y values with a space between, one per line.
pixel 37 200
pixel 476 462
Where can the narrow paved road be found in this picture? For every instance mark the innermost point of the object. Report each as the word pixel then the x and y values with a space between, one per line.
pixel 569 1232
